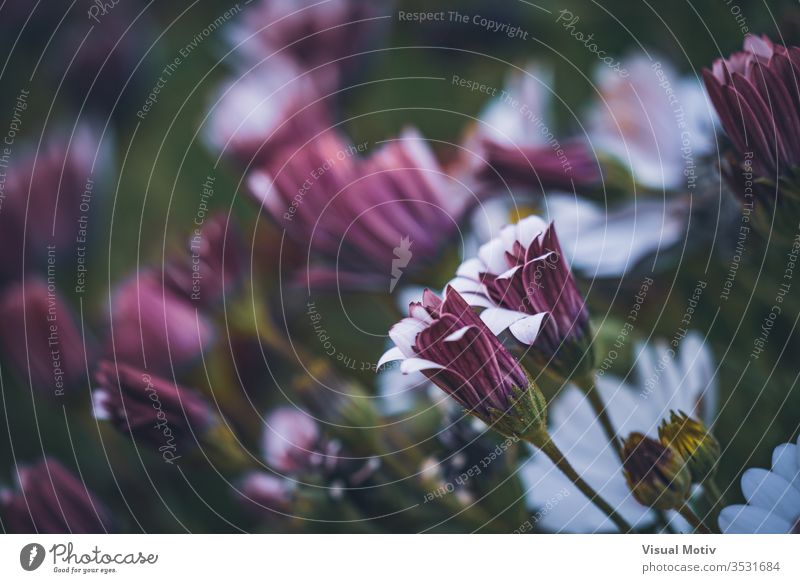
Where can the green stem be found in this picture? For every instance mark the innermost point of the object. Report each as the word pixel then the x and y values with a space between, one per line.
pixel 546 445
pixel 714 497
pixel 587 385
pixel 693 519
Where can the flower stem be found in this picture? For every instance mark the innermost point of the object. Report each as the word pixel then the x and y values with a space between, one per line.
pixel 714 497
pixel 546 445
pixel 587 385
pixel 693 519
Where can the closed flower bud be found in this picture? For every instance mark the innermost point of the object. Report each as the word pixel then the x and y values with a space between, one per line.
pixel 153 326
pixel 755 94
pixel 50 499
pixel 450 344
pixel 214 267
pixel 40 338
pixel 656 474
pixel 693 441
pixel 150 409
pixel 525 284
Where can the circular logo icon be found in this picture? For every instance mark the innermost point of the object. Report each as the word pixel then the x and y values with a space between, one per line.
pixel 31 556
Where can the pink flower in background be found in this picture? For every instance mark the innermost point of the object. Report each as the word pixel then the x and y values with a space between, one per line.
pixel 352 209
pixel 322 37
pixel 265 112
pixel 47 190
pixel 155 327
pixel 214 265
pixel 755 94
pixel 292 441
pixel 150 409
pixel 515 145
pixel 41 338
pixel 50 499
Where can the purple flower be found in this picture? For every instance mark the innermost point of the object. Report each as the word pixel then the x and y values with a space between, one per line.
pixel 321 37
pixel 40 337
pixel 151 409
pixel 44 198
pixel 156 327
pixel 569 167
pixel 523 281
pixel 214 265
pixel 365 218
pixel 756 96
pixel 51 500
pixel 266 493
pixel 266 112
pixel 448 342
pixel 292 441
pixel 516 148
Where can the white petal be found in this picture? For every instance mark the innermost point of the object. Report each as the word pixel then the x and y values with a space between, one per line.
pixel 784 463
pixel 740 519
pixel 771 492
pixel 499 319
pixel 404 334
pixel 411 365
pixel 529 228
pixel 100 405
pixel 509 273
pixel 527 329
pixel 418 312
pixel 466 285
pixel 471 269
pixel 477 300
pixel 458 334
pixel 493 255
pixel 390 356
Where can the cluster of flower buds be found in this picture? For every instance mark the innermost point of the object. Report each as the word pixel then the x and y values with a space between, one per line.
pixel 660 472
pixel 656 474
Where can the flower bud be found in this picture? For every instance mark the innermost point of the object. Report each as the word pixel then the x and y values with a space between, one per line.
pixel 693 441
pixel 213 268
pixel 153 326
pixel 40 337
pixel 526 286
pixel 51 500
pixel 656 474
pixel 151 409
pixel 448 342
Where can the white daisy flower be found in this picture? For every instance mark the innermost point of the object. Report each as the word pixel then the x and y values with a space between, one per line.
pixel 773 497
pixel 650 119
pixel 664 382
